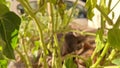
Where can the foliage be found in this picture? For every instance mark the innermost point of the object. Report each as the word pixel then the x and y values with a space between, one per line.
pixel 69 63
pixel 116 61
pixel 48 20
pixel 9 25
pixel 112 40
pixel 3 63
pixel 90 5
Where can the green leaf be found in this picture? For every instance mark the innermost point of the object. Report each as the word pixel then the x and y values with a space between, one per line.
pixel 1 56
pixel 116 61
pixel 3 63
pixel 3 9
pixel 2 1
pixel 90 13
pixel 117 24
pixel 69 63
pixel 114 38
pixel 88 62
pixel 99 40
pixel 1 44
pixel 61 8
pixel 90 5
pixel 14 39
pixel 53 1
pixel 104 7
pixel 42 5
pixel 9 26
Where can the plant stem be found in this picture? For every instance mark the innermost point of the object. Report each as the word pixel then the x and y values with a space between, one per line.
pixel 22 57
pixel 94 53
pixel 30 12
pixel 27 57
pixel 115 5
pixel 57 48
pixel 42 42
pixel 56 62
pixel 101 56
pixel 112 55
pixel 73 11
pixel 52 17
pixel 110 22
pixel 83 32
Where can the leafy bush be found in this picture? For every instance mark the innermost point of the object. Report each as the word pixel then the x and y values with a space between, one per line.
pixel 47 21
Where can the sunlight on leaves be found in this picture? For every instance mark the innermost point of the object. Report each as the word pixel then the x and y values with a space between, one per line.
pixel 14 40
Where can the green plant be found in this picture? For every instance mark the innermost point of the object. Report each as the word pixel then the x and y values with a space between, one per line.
pixel 51 19
pixel 9 27
pixel 57 22
pixel 111 40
